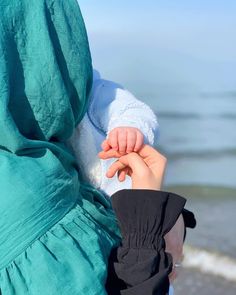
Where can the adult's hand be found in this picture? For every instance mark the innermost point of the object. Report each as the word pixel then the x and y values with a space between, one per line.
pixel 146 168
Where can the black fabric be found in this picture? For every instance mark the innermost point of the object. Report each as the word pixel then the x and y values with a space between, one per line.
pixel 189 219
pixel 140 265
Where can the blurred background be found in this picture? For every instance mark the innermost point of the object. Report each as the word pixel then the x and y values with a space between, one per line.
pixel 180 58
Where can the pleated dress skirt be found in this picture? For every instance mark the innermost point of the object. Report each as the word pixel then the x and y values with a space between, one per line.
pixel 66 257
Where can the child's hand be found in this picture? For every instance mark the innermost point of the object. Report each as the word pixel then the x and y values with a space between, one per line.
pixel 124 140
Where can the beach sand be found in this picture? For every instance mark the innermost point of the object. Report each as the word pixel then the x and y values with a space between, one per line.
pixel 193 282
pixel 214 240
pixel 214 209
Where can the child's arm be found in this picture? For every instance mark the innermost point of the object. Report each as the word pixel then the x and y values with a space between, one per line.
pixel 112 108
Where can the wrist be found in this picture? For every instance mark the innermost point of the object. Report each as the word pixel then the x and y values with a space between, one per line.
pixel 148 182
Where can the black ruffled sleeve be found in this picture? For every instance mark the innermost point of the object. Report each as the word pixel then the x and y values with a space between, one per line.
pixel 140 265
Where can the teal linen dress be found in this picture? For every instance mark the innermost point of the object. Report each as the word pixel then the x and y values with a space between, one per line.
pixel 56 232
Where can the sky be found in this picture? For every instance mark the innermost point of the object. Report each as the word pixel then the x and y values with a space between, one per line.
pixel 200 34
pixel 202 28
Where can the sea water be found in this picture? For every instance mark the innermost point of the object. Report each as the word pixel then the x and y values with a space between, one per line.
pixel 195 103
pixel 197 133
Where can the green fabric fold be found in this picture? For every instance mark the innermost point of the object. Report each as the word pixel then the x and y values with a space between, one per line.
pixel 45 81
pixel 45 71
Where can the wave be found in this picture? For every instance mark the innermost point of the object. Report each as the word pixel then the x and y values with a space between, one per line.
pixel 222 94
pixel 204 154
pixel 174 115
pixel 190 116
pixel 210 263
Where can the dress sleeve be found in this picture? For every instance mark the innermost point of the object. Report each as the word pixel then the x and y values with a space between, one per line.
pixel 140 264
pixel 113 106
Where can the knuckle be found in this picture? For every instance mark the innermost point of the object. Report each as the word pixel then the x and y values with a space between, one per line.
pixel 111 136
pixel 163 159
pixel 131 133
pixel 111 133
pixel 140 134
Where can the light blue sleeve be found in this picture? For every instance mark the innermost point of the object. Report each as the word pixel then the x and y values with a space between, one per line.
pixel 113 106
pixel 171 290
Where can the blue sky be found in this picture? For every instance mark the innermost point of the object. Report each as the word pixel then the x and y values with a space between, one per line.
pixel 202 28
pixel 198 34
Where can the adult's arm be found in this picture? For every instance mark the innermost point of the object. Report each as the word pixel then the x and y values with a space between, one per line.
pixel 140 265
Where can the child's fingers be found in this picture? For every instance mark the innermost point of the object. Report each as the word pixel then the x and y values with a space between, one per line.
pixel 113 139
pixel 122 141
pixel 139 141
pixel 105 145
pixel 131 141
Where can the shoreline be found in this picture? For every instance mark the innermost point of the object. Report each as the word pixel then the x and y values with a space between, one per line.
pixel 200 192
pixel 210 261
pixel 193 282
pixel 214 209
